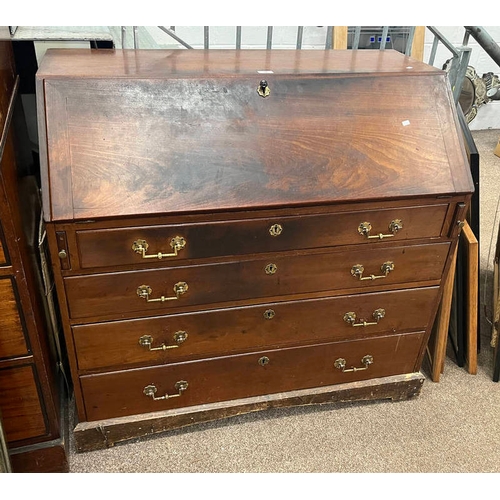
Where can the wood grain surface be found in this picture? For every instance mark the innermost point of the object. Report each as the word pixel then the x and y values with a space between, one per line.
pixel 128 146
pixel 112 294
pixel 13 341
pixel 106 433
pixel 117 394
pixel 22 411
pixel 181 63
pixel 236 330
pixel 113 246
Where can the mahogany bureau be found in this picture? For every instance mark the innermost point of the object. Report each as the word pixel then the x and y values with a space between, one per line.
pixel 236 230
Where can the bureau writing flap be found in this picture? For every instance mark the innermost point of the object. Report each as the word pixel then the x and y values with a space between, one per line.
pixel 201 140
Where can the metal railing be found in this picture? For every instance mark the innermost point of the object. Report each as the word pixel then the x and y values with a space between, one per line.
pixel 355 33
pixel 460 57
pixel 358 37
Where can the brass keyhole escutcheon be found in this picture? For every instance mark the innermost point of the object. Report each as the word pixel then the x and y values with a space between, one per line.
pixel 263 361
pixel 275 229
pixel 269 314
pixel 271 268
pixel 263 89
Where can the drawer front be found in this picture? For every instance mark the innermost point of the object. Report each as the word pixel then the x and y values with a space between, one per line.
pixel 115 247
pixel 126 292
pixel 12 337
pixel 21 405
pixel 213 333
pixel 118 394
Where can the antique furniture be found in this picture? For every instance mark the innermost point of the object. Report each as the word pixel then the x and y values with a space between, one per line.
pixel 236 230
pixel 30 401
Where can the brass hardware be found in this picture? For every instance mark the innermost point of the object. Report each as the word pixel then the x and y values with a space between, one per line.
pixel 144 291
pixel 460 224
pixel 269 314
pixel 357 271
pixel 147 341
pixel 276 229
pixel 365 227
pixel 350 317
pixel 150 390
pixel 263 89
pixel 141 247
pixel 395 226
pixel 366 361
pixel 271 268
pixel 62 254
pixel 263 361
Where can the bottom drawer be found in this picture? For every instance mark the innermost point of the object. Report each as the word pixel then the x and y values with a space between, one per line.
pixel 117 394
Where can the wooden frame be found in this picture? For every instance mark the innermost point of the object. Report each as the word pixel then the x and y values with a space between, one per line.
pixel 437 353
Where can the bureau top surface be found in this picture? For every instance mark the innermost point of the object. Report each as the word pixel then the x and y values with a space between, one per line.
pixel 128 133
pixel 78 63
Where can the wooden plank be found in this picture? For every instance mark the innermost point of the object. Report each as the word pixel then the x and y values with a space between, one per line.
pixel 417 47
pixel 339 37
pixel 106 433
pixel 443 320
pixel 472 253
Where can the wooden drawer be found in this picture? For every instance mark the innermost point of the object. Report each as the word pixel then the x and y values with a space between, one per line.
pixel 22 411
pixel 117 294
pixel 225 331
pixel 12 339
pixel 118 394
pixel 114 247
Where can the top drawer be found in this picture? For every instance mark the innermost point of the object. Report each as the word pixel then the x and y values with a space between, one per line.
pixel 177 242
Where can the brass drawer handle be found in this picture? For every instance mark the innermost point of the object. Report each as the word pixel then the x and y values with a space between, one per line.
pixel 147 341
pixel 365 227
pixel 144 291
pixel 366 361
pixel 357 271
pixel 150 391
pixel 141 247
pixel 350 318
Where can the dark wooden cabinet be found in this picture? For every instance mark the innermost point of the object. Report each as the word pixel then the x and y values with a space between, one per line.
pixel 224 244
pixel 30 391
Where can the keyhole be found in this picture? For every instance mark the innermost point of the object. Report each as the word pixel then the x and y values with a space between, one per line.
pixel 271 268
pixel 263 361
pixel 269 314
pixel 275 229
